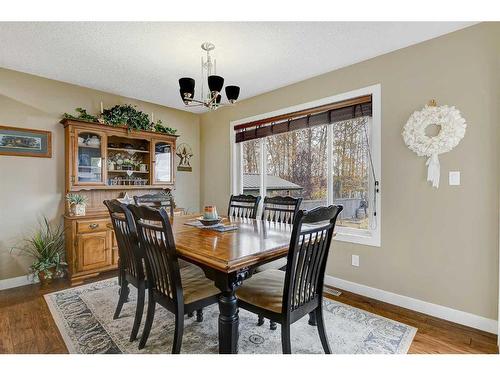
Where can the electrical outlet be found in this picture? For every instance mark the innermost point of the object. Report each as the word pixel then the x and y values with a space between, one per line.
pixel 355 260
pixel 454 178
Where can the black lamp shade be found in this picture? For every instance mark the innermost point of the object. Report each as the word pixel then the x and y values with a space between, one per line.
pixel 232 93
pixel 187 87
pixel 215 83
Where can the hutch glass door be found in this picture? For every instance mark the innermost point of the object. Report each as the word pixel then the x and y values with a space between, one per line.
pixel 90 158
pixel 163 162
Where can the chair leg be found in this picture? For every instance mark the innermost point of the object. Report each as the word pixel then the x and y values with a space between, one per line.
pixel 149 321
pixel 124 290
pixel 285 338
pixel 139 309
pixel 199 315
pixel 120 274
pixel 272 325
pixel 321 329
pixel 312 319
pixel 260 321
pixel 179 330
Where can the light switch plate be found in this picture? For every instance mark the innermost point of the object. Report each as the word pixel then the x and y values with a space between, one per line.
pixel 454 178
pixel 355 260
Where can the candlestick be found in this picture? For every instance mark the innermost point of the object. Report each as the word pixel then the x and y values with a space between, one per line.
pixel 152 117
pixel 102 108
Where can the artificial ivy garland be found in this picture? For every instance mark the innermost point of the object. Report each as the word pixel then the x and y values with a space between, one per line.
pixel 123 115
pixel 452 130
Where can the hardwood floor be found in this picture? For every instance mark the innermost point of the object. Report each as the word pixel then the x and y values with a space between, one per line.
pixel 434 335
pixel 26 325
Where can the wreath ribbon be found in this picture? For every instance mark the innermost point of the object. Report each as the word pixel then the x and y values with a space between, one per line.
pixel 433 170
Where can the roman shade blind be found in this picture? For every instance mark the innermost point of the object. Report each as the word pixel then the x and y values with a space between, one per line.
pixel 325 114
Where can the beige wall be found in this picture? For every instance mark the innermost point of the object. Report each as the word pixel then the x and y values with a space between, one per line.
pixel 440 246
pixel 30 187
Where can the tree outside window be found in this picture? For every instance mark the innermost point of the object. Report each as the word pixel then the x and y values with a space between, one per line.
pixel 296 164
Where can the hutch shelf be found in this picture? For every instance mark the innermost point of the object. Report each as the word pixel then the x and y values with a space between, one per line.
pixel 105 162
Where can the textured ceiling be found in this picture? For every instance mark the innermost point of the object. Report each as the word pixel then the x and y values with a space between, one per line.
pixel 145 60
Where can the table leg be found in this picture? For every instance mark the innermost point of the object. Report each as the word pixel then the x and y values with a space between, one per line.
pixel 228 323
pixel 228 283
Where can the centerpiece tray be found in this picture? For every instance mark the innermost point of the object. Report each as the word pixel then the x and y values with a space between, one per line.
pixel 217 224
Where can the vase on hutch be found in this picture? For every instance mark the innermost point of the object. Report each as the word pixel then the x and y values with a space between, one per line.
pixel 77 210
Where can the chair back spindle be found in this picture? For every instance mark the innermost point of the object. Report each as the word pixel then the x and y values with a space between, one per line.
pixel 243 206
pixel 306 262
pixel 280 209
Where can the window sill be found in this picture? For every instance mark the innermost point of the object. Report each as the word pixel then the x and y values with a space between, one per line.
pixel 367 238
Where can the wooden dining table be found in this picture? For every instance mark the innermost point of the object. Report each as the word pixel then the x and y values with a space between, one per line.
pixel 229 258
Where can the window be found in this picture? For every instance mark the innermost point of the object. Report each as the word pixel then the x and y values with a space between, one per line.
pixel 296 166
pixel 250 152
pixel 328 162
pixel 350 171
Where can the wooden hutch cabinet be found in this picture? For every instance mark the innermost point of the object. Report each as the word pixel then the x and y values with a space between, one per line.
pixel 105 162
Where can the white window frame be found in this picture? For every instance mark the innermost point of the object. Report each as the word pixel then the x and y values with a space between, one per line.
pixel 370 237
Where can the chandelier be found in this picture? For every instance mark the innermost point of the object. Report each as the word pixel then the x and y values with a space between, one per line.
pixel 212 99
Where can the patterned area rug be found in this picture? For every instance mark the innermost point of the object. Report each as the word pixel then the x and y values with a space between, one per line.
pixel 84 316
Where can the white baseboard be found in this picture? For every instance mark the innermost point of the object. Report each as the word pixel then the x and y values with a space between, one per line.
pixel 438 311
pixel 15 282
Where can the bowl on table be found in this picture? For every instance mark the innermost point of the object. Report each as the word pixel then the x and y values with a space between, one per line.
pixel 208 222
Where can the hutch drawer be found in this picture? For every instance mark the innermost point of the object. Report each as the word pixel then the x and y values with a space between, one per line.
pixel 89 226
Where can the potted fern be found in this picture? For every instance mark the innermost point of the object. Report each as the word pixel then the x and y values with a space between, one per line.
pixel 46 247
pixel 77 204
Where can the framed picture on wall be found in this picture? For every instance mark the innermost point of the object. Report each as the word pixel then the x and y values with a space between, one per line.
pixel 25 142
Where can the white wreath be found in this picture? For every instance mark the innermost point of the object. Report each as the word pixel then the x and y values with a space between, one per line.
pixel 452 130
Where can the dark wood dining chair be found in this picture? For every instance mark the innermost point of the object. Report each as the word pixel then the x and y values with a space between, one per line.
pixel 179 290
pixel 278 209
pixel 163 199
pixel 130 261
pixel 243 206
pixel 285 297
